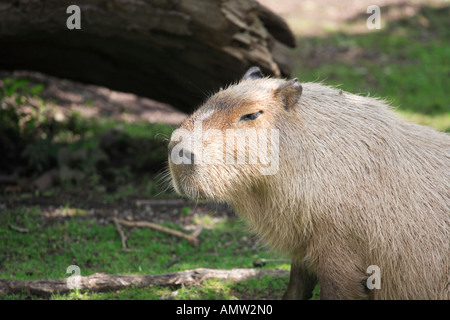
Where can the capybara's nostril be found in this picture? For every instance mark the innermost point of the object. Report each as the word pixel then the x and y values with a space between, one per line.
pixel 188 156
pixel 178 154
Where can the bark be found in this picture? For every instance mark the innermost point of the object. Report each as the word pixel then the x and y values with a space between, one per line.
pixel 100 282
pixel 172 51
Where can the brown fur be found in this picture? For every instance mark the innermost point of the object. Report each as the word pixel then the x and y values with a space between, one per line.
pixel 356 186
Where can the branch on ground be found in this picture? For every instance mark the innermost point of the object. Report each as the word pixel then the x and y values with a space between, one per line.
pixel 100 282
pixel 192 238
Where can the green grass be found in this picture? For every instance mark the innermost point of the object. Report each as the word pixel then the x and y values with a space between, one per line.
pixel 51 246
pixel 404 62
pixel 266 287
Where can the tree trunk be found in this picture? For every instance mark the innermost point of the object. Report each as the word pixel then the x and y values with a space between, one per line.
pixel 173 51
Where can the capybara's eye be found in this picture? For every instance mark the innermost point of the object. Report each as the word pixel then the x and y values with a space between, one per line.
pixel 251 116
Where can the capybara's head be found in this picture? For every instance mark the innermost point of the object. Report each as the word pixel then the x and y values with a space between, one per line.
pixel 232 143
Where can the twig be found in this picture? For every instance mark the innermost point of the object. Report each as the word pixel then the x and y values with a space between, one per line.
pixel 19 229
pixel 192 238
pixel 123 237
pixel 197 231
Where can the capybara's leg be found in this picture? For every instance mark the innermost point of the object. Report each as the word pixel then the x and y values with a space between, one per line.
pixel 301 283
pixel 342 283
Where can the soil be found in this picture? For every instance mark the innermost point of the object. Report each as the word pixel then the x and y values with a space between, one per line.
pixel 78 203
pixel 318 17
pixel 96 101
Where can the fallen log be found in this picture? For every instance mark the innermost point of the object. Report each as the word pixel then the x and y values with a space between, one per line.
pixel 101 282
pixel 170 51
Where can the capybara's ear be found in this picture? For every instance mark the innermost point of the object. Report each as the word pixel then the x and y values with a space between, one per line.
pixel 289 93
pixel 252 74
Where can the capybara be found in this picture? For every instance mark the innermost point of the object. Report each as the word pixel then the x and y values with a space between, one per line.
pixel 359 198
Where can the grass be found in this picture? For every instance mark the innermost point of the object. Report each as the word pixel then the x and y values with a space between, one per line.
pixel 407 62
pixel 51 246
pixel 209 290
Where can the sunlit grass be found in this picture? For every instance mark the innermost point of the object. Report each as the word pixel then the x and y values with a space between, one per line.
pixel 405 63
pixel 50 246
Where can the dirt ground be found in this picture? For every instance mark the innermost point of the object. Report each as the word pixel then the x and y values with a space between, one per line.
pixel 97 101
pixel 158 211
pixel 318 17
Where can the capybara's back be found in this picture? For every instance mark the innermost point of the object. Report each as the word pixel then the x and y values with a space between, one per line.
pixel 356 189
pixel 378 189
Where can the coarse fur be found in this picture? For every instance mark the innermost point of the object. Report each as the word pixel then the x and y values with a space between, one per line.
pixel 356 186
